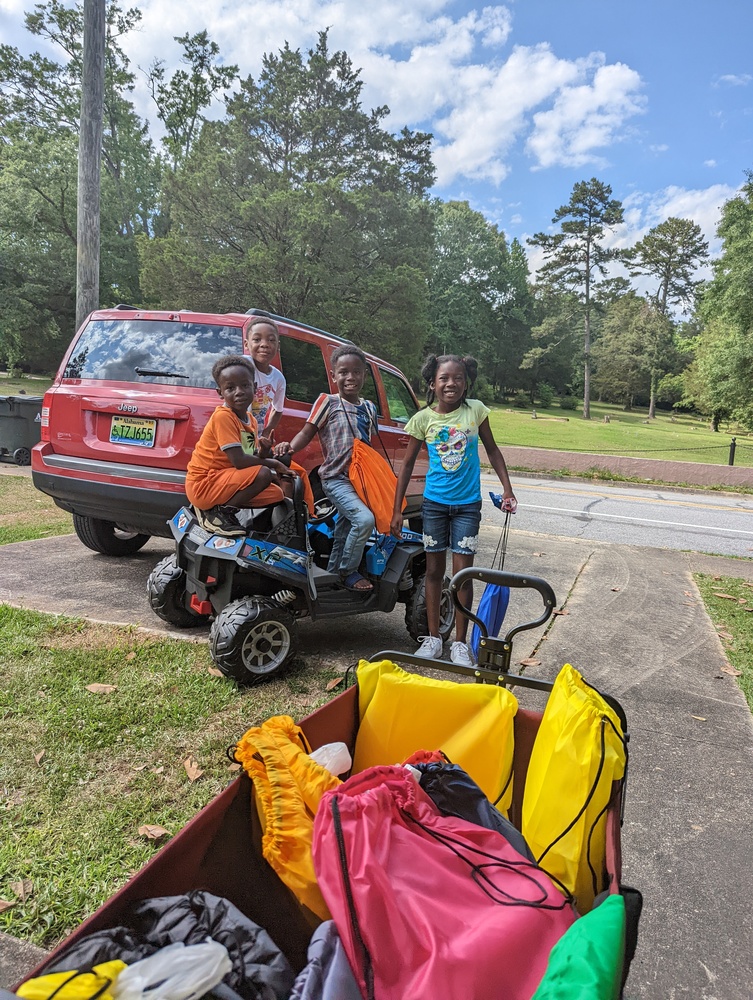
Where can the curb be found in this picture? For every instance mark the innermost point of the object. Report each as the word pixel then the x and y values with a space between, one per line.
pixel 17 959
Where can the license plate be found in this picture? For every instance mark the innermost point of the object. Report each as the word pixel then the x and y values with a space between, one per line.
pixel 133 430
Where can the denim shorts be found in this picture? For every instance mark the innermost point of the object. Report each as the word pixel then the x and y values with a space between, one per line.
pixel 453 527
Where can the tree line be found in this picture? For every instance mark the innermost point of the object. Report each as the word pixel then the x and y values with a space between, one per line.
pixel 299 201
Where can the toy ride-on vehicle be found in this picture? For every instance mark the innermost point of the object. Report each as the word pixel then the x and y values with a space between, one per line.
pixel 257 587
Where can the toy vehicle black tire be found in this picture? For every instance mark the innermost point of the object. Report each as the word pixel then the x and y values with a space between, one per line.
pixel 415 610
pixel 166 589
pixel 22 456
pixel 252 639
pixel 106 537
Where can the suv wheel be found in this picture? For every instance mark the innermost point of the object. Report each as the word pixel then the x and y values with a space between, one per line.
pixel 166 590
pixel 415 611
pixel 252 639
pixel 106 537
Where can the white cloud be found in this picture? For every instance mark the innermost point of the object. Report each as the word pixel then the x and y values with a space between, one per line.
pixel 660 148
pixel 417 87
pixel 491 109
pixel 497 25
pixel 587 117
pixel 534 255
pixel 709 163
pixel 736 79
pixel 644 210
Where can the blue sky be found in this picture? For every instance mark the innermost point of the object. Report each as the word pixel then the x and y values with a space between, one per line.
pixel 524 98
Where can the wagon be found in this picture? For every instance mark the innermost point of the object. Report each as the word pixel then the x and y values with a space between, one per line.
pixel 219 850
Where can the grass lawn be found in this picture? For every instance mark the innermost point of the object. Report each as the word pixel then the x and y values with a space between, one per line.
pixel 31 385
pixel 686 439
pixel 25 513
pixel 733 616
pixel 81 771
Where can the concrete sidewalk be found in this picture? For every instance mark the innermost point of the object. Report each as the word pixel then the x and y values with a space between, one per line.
pixel 637 629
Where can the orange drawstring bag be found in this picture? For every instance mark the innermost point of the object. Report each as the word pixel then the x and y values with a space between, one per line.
pixel 374 482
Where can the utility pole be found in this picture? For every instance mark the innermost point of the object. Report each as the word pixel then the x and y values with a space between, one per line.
pixel 89 160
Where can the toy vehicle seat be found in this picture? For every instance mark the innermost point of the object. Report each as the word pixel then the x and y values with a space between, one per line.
pixel 284 521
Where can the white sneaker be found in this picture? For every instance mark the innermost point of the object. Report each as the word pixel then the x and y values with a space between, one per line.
pixel 461 654
pixel 431 647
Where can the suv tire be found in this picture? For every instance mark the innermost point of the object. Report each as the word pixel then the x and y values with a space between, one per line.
pixel 166 590
pixel 415 611
pixel 106 537
pixel 252 639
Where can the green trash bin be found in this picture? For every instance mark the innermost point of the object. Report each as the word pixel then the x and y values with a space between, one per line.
pixel 20 427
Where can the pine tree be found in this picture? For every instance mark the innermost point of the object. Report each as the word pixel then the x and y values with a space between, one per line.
pixel 576 256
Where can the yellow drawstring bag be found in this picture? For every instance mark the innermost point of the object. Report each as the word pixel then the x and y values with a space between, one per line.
pixel 74 985
pixel 578 752
pixel 472 724
pixel 288 786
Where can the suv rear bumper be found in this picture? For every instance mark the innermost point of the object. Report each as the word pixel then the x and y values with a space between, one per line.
pixel 148 497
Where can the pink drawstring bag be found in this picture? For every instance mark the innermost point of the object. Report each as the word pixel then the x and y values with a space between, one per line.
pixel 428 905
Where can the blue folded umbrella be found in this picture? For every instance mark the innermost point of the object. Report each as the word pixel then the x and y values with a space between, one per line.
pixel 494 600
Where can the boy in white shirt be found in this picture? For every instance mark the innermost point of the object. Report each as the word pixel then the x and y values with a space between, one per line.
pixel 261 344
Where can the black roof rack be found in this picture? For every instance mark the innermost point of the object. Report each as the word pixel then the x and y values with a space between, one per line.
pixel 304 326
pixel 124 305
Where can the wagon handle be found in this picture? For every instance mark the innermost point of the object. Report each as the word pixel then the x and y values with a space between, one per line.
pixel 503 579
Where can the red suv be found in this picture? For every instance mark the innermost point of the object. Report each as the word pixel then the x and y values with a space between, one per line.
pixel 133 394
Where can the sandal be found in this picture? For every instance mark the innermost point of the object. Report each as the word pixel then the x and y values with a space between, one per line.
pixel 355 582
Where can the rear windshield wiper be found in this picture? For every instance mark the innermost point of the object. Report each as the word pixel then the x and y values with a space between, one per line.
pixel 151 371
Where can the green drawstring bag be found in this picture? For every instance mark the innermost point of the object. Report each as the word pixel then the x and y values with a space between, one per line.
pixel 586 962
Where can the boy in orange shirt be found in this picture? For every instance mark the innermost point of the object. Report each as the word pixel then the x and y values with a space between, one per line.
pixel 232 465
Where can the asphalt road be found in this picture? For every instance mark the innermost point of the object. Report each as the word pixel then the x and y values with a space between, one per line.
pixel 658 517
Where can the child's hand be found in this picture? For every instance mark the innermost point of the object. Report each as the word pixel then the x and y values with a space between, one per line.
pixel 283 448
pixel 509 504
pixel 281 470
pixel 265 442
pixel 396 525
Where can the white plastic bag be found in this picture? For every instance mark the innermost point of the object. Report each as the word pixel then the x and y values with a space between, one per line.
pixel 176 972
pixel 335 757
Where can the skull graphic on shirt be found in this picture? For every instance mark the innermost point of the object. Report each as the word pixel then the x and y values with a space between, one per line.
pixel 450 443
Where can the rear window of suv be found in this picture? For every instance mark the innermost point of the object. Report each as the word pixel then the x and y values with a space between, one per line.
pixel 158 351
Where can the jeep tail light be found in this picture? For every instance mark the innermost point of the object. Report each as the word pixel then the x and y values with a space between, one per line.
pixel 45 426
